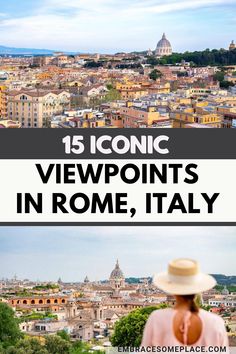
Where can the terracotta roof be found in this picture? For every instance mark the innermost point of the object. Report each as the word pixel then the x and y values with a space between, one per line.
pixel 35 93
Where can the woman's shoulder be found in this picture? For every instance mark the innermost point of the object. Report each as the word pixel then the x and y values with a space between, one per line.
pixel 212 319
pixel 159 314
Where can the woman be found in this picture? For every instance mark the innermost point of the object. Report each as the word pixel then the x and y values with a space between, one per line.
pixel 186 324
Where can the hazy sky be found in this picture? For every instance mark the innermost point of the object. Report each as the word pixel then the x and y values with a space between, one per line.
pixel 117 25
pixel 46 253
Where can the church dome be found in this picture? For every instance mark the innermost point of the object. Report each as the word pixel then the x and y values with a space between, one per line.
pixel 163 47
pixel 117 272
pixel 86 279
pixel 232 45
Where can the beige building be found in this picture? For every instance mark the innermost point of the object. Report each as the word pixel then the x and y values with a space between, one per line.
pixel 3 101
pixel 133 117
pixel 34 109
pixel 180 119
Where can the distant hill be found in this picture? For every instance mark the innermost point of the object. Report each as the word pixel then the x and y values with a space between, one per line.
pixel 220 278
pixel 225 279
pixel 24 51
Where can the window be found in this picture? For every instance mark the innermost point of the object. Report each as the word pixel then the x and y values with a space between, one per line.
pixel 23 98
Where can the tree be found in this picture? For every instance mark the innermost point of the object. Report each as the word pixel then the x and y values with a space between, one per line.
pixel 9 326
pixel 57 345
pixel 226 84
pixel 202 58
pixel 93 64
pixel 219 76
pixel 80 347
pixel 64 335
pixel 1 349
pixel 129 329
pixel 27 346
pixel 152 61
pixel 182 74
pixel 174 85
pixel 112 95
pixel 155 74
pixel 109 86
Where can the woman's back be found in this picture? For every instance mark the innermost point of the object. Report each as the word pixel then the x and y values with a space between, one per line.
pixel 187 327
pixel 176 327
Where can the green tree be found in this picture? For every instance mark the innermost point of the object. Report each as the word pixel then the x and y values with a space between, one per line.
pixel 93 64
pixel 64 335
pixel 80 347
pixel 112 95
pixel 226 84
pixel 129 329
pixel 9 326
pixel 206 57
pixel 109 86
pixel 152 61
pixel 155 74
pixel 219 76
pixel 27 346
pixel 57 345
pixel 1 349
pixel 182 74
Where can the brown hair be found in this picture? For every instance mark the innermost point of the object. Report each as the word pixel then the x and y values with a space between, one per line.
pixel 191 299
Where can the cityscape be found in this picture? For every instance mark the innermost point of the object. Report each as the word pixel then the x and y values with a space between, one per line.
pixel 113 64
pixel 155 88
pixel 88 310
pixel 69 280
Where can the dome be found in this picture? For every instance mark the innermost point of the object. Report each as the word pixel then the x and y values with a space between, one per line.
pixel 163 47
pixel 86 279
pixel 149 52
pixel 117 272
pixel 232 45
pixel 225 291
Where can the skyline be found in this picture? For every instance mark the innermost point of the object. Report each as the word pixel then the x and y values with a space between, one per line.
pixel 101 26
pixel 47 253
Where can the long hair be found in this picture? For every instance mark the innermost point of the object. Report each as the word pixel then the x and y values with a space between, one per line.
pixel 191 299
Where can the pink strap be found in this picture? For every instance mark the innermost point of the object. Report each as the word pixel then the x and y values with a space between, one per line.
pixel 185 326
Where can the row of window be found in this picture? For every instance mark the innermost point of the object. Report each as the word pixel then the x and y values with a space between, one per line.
pixel 32 302
pixel 225 303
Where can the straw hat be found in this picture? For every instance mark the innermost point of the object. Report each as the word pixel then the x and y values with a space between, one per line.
pixel 183 278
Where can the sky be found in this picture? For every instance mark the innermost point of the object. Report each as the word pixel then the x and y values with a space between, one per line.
pixel 47 253
pixel 109 26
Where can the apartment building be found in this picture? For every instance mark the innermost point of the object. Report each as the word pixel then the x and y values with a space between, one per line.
pixel 3 101
pixel 34 109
